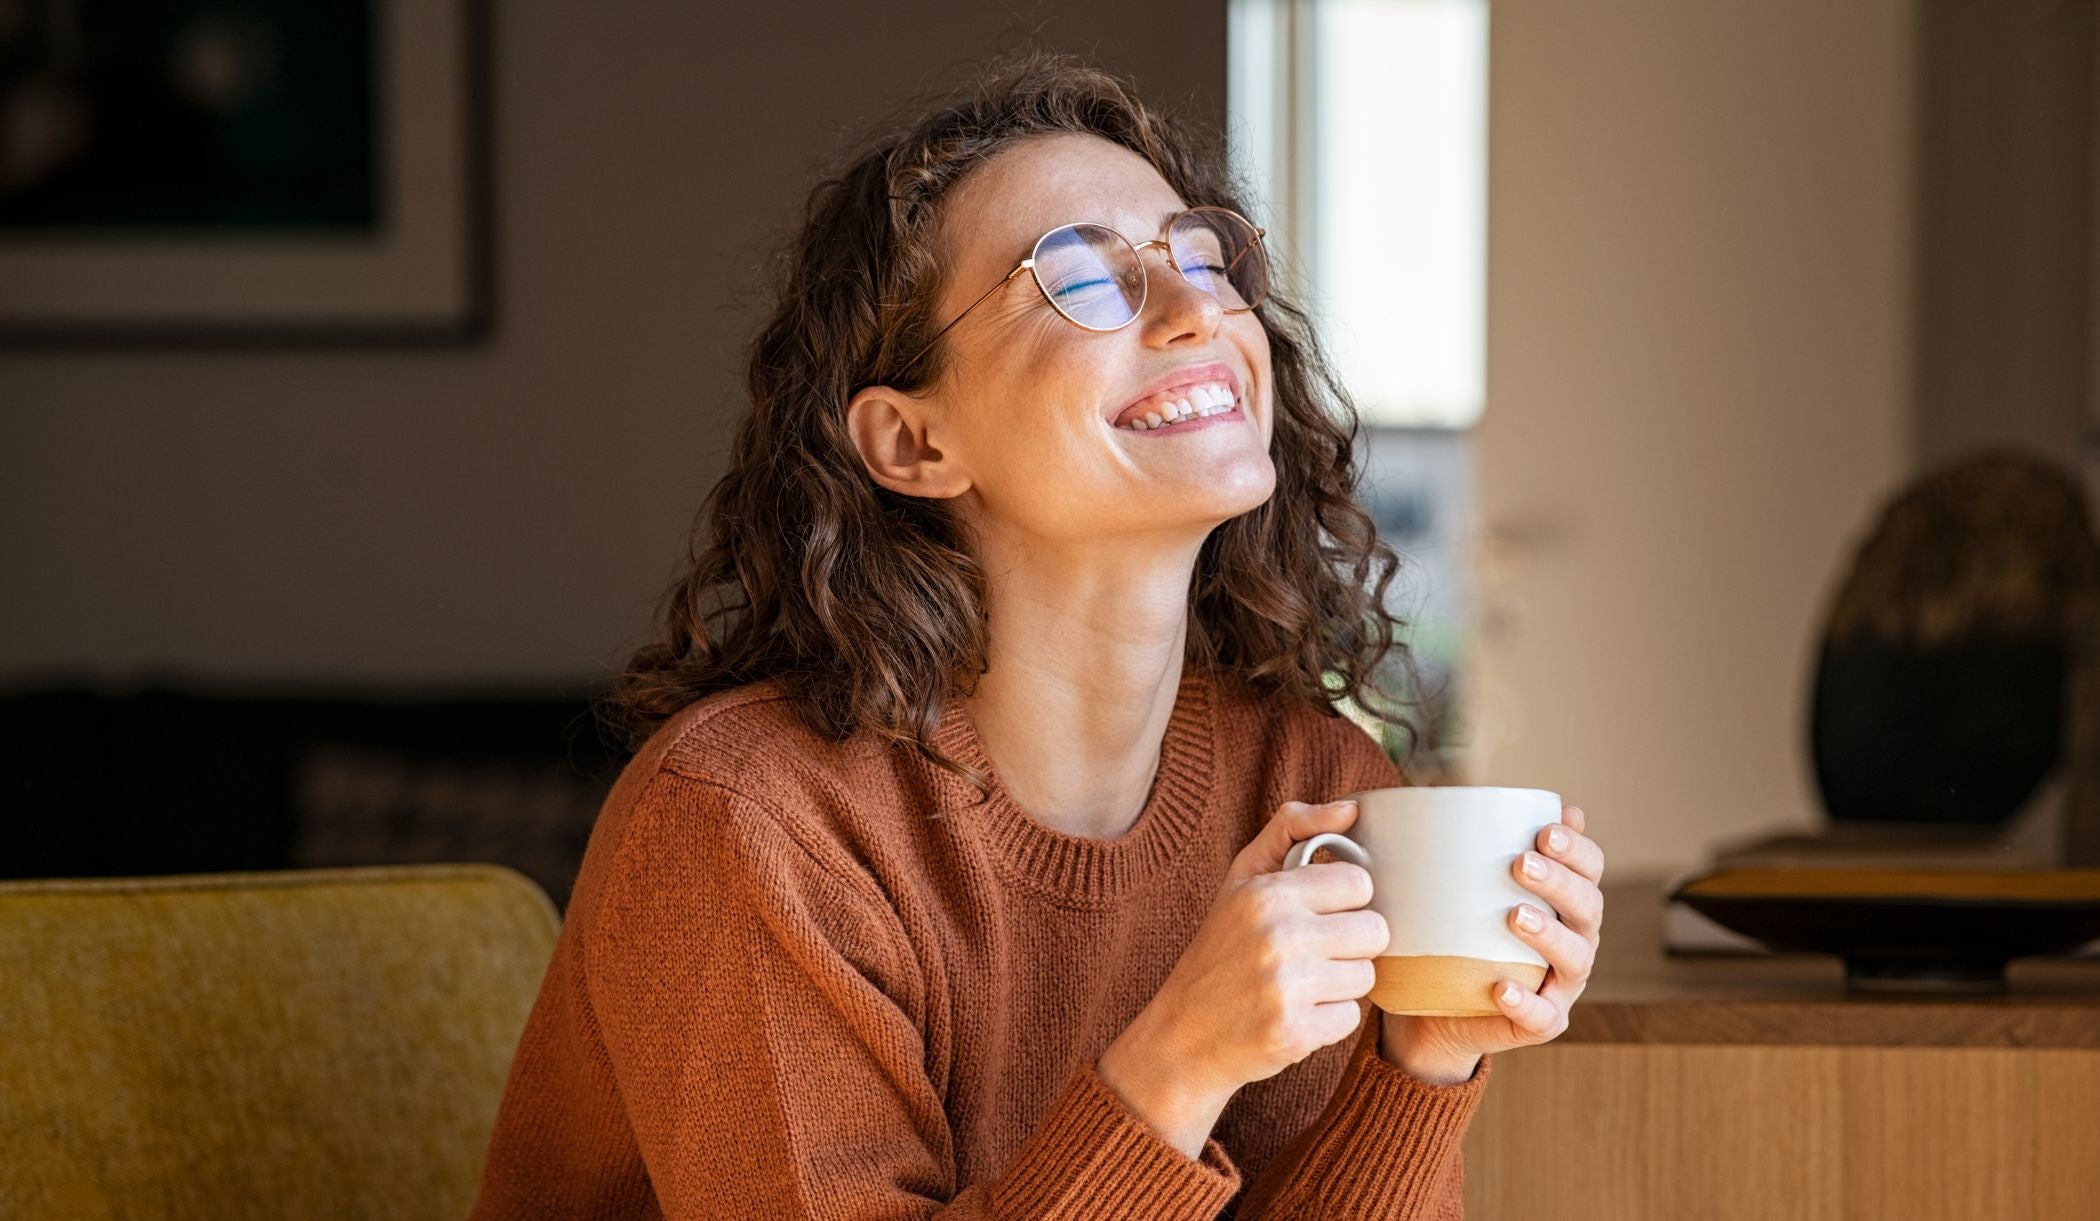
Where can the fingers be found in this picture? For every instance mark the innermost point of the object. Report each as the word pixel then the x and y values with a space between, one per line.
pixel 1336 1020
pixel 1568 952
pixel 1536 1018
pixel 1325 886
pixel 1352 934
pixel 1296 820
pixel 1293 821
pixel 1574 817
pixel 1570 847
pixel 1342 979
pixel 1574 898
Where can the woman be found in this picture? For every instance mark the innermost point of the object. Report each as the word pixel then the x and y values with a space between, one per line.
pixel 946 879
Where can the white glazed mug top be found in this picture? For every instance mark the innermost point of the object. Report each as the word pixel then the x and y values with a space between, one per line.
pixel 1442 861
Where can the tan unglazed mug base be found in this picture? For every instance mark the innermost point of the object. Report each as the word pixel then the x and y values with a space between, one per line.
pixel 1437 985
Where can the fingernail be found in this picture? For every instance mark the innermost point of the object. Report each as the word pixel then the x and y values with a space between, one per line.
pixel 1534 867
pixel 1509 994
pixel 1528 917
pixel 1557 840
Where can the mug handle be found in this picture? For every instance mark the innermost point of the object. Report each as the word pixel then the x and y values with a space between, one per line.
pixel 1344 847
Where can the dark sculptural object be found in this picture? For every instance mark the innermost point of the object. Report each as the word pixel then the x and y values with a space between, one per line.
pixel 1940 685
pixel 1962 732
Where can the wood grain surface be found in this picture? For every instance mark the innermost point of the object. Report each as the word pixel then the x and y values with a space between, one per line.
pixel 1591 1131
pixel 1727 1088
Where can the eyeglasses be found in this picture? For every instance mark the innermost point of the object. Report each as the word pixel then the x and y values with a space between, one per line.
pixel 1094 277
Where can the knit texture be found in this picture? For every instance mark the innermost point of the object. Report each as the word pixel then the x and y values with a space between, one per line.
pixel 804 978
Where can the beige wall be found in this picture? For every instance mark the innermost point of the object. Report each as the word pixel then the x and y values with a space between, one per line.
pixel 1697 359
pixel 1696 355
pixel 506 513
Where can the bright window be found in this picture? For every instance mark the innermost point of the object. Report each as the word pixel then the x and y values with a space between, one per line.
pixel 1364 123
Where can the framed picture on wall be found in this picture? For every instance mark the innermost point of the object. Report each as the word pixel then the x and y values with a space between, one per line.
pixel 275 171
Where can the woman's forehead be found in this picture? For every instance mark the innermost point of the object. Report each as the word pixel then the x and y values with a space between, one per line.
pixel 1004 205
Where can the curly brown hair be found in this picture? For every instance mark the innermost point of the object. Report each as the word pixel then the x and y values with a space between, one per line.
pixel 865 605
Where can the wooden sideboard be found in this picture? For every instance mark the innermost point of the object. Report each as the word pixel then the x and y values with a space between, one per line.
pixel 1722 1088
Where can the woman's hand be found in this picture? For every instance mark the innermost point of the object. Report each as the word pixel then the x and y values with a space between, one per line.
pixel 1273 974
pixel 1443 1050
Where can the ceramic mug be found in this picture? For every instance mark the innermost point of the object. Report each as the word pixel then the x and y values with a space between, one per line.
pixel 1441 861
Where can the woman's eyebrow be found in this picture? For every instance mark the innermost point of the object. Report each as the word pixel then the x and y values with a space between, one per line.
pixel 1137 233
pixel 1145 231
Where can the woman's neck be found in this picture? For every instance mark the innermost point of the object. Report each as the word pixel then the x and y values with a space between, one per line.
pixel 1085 661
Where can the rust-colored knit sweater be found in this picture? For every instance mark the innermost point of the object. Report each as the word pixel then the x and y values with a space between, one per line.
pixel 808 979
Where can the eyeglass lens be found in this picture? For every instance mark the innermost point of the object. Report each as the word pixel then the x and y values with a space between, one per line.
pixel 1093 276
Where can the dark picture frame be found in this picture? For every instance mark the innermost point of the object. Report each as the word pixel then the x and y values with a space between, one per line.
pixel 353 205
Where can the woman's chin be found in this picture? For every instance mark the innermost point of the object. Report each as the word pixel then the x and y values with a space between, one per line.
pixel 1244 480
pixel 1233 493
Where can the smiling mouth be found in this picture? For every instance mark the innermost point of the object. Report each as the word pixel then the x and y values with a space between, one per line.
pixel 1178 405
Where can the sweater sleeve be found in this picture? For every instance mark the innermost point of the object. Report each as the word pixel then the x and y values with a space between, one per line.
pixel 1388 1144
pixel 756 1006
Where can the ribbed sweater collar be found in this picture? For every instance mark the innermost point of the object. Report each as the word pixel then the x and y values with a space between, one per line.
pixel 1073 868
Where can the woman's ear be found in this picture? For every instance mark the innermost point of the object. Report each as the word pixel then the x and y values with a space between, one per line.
pixel 892 431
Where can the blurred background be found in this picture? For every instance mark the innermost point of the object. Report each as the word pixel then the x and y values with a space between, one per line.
pixel 364 364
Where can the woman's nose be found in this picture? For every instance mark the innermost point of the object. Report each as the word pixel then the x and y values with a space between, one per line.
pixel 1176 307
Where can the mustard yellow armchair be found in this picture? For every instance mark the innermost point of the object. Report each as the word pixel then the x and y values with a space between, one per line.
pixel 304 1043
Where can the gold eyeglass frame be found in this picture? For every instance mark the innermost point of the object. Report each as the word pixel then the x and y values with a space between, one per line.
pixel 1137 252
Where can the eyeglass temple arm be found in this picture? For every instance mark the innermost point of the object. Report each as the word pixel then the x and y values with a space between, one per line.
pixel 1258 235
pixel 1024 265
pixel 1164 244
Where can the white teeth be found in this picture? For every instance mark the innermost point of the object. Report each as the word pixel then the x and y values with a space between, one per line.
pixel 1197 401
